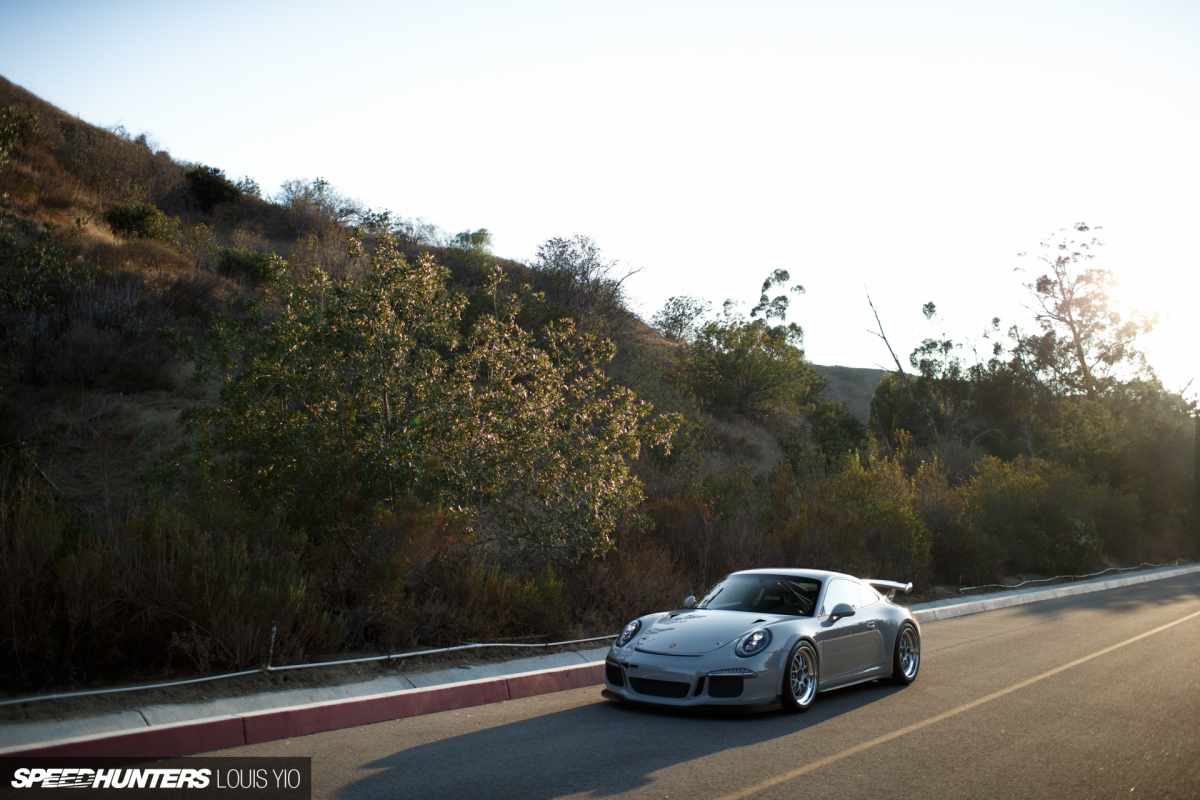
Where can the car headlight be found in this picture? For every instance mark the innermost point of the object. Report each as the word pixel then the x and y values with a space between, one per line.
pixel 753 643
pixel 630 631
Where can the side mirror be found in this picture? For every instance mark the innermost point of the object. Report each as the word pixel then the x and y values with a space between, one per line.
pixel 841 610
pixel 690 601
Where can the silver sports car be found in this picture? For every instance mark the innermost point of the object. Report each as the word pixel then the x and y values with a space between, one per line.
pixel 766 637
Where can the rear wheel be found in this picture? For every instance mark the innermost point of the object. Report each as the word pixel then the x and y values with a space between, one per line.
pixel 800 678
pixel 906 657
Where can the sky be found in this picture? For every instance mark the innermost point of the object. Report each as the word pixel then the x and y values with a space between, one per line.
pixel 909 151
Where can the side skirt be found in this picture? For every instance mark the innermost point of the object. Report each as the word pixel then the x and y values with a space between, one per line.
pixel 876 676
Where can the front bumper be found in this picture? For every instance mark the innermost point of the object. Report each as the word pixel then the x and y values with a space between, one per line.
pixel 687 682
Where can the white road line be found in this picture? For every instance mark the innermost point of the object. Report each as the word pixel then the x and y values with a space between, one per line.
pixel 887 737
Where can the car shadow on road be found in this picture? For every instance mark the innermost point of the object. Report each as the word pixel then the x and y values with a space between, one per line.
pixel 600 749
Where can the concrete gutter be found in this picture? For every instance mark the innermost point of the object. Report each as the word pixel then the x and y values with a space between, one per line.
pixel 960 607
pixel 171 730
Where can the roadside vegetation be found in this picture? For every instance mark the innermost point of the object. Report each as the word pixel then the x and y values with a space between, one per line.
pixel 225 408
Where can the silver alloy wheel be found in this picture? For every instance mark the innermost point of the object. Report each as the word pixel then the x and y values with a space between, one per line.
pixel 910 652
pixel 804 679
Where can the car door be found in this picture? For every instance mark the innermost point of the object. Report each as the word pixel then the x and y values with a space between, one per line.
pixel 868 610
pixel 846 645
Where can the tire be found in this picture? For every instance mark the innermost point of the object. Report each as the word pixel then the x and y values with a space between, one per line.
pixel 800 678
pixel 906 655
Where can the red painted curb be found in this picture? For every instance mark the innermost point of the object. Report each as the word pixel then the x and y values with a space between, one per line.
pixel 222 733
pixel 284 723
pixel 159 741
pixel 560 680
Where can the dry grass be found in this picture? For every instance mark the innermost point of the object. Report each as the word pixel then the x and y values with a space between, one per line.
pixel 638 577
pixel 140 255
pixel 133 590
pixel 101 448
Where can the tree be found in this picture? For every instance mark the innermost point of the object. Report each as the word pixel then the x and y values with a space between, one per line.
pixel 315 206
pixel 1087 343
pixel 335 393
pixel 210 187
pixel 744 366
pixel 577 280
pixel 749 367
pixel 143 221
pixel 989 403
pixel 679 317
pixel 480 241
pixel 777 307
pixel 469 257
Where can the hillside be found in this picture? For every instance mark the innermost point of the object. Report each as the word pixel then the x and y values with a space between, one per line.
pixel 853 386
pixel 113 256
pixel 227 411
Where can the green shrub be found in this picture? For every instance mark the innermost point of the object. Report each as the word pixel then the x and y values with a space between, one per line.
pixel 1120 525
pixel 873 509
pixel 16 127
pixel 373 394
pixel 242 262
pixel 809 465
pixel 143 221
pixel 1003 503
pixel 36 265
pixel 1071 509
pixel 210 187
pixel 837 431
pixel 960 553
pixel 200 243
pixel 1025 515
pixel 1043 514
pixel 736 366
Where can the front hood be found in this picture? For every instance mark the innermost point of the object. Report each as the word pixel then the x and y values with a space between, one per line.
pixel 693 633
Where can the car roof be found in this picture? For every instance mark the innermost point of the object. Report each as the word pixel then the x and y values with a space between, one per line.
pixel 816 574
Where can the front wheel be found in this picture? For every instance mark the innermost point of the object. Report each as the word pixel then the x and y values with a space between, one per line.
pixel 906 658
pixel 800 678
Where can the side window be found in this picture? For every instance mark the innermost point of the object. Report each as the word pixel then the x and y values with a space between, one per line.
pixel 866 595
pixel 839 591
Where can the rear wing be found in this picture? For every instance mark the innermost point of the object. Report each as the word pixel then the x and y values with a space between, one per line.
pixel 891 586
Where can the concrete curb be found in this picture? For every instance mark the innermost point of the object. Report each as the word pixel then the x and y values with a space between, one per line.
pixel 160 741
pixel 954 607
pixel 218 733
pixel 235 730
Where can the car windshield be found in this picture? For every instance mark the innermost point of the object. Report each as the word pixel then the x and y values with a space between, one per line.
pixel 764 594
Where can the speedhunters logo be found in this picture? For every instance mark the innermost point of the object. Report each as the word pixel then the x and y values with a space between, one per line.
pixel 189 777
pixel 76 777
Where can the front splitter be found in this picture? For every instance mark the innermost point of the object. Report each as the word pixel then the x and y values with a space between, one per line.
pixel 770 705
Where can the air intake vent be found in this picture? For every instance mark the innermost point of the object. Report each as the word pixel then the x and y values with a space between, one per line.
pixel 614 675
pixel 660 688
pixel 725 685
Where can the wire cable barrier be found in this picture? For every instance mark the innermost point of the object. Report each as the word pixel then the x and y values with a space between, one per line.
pixel 1178 561
pixel 269 669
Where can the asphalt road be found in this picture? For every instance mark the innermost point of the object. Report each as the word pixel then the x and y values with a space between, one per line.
pixel 1090 696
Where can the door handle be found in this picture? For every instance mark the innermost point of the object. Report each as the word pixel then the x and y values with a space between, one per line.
pixel 870 624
